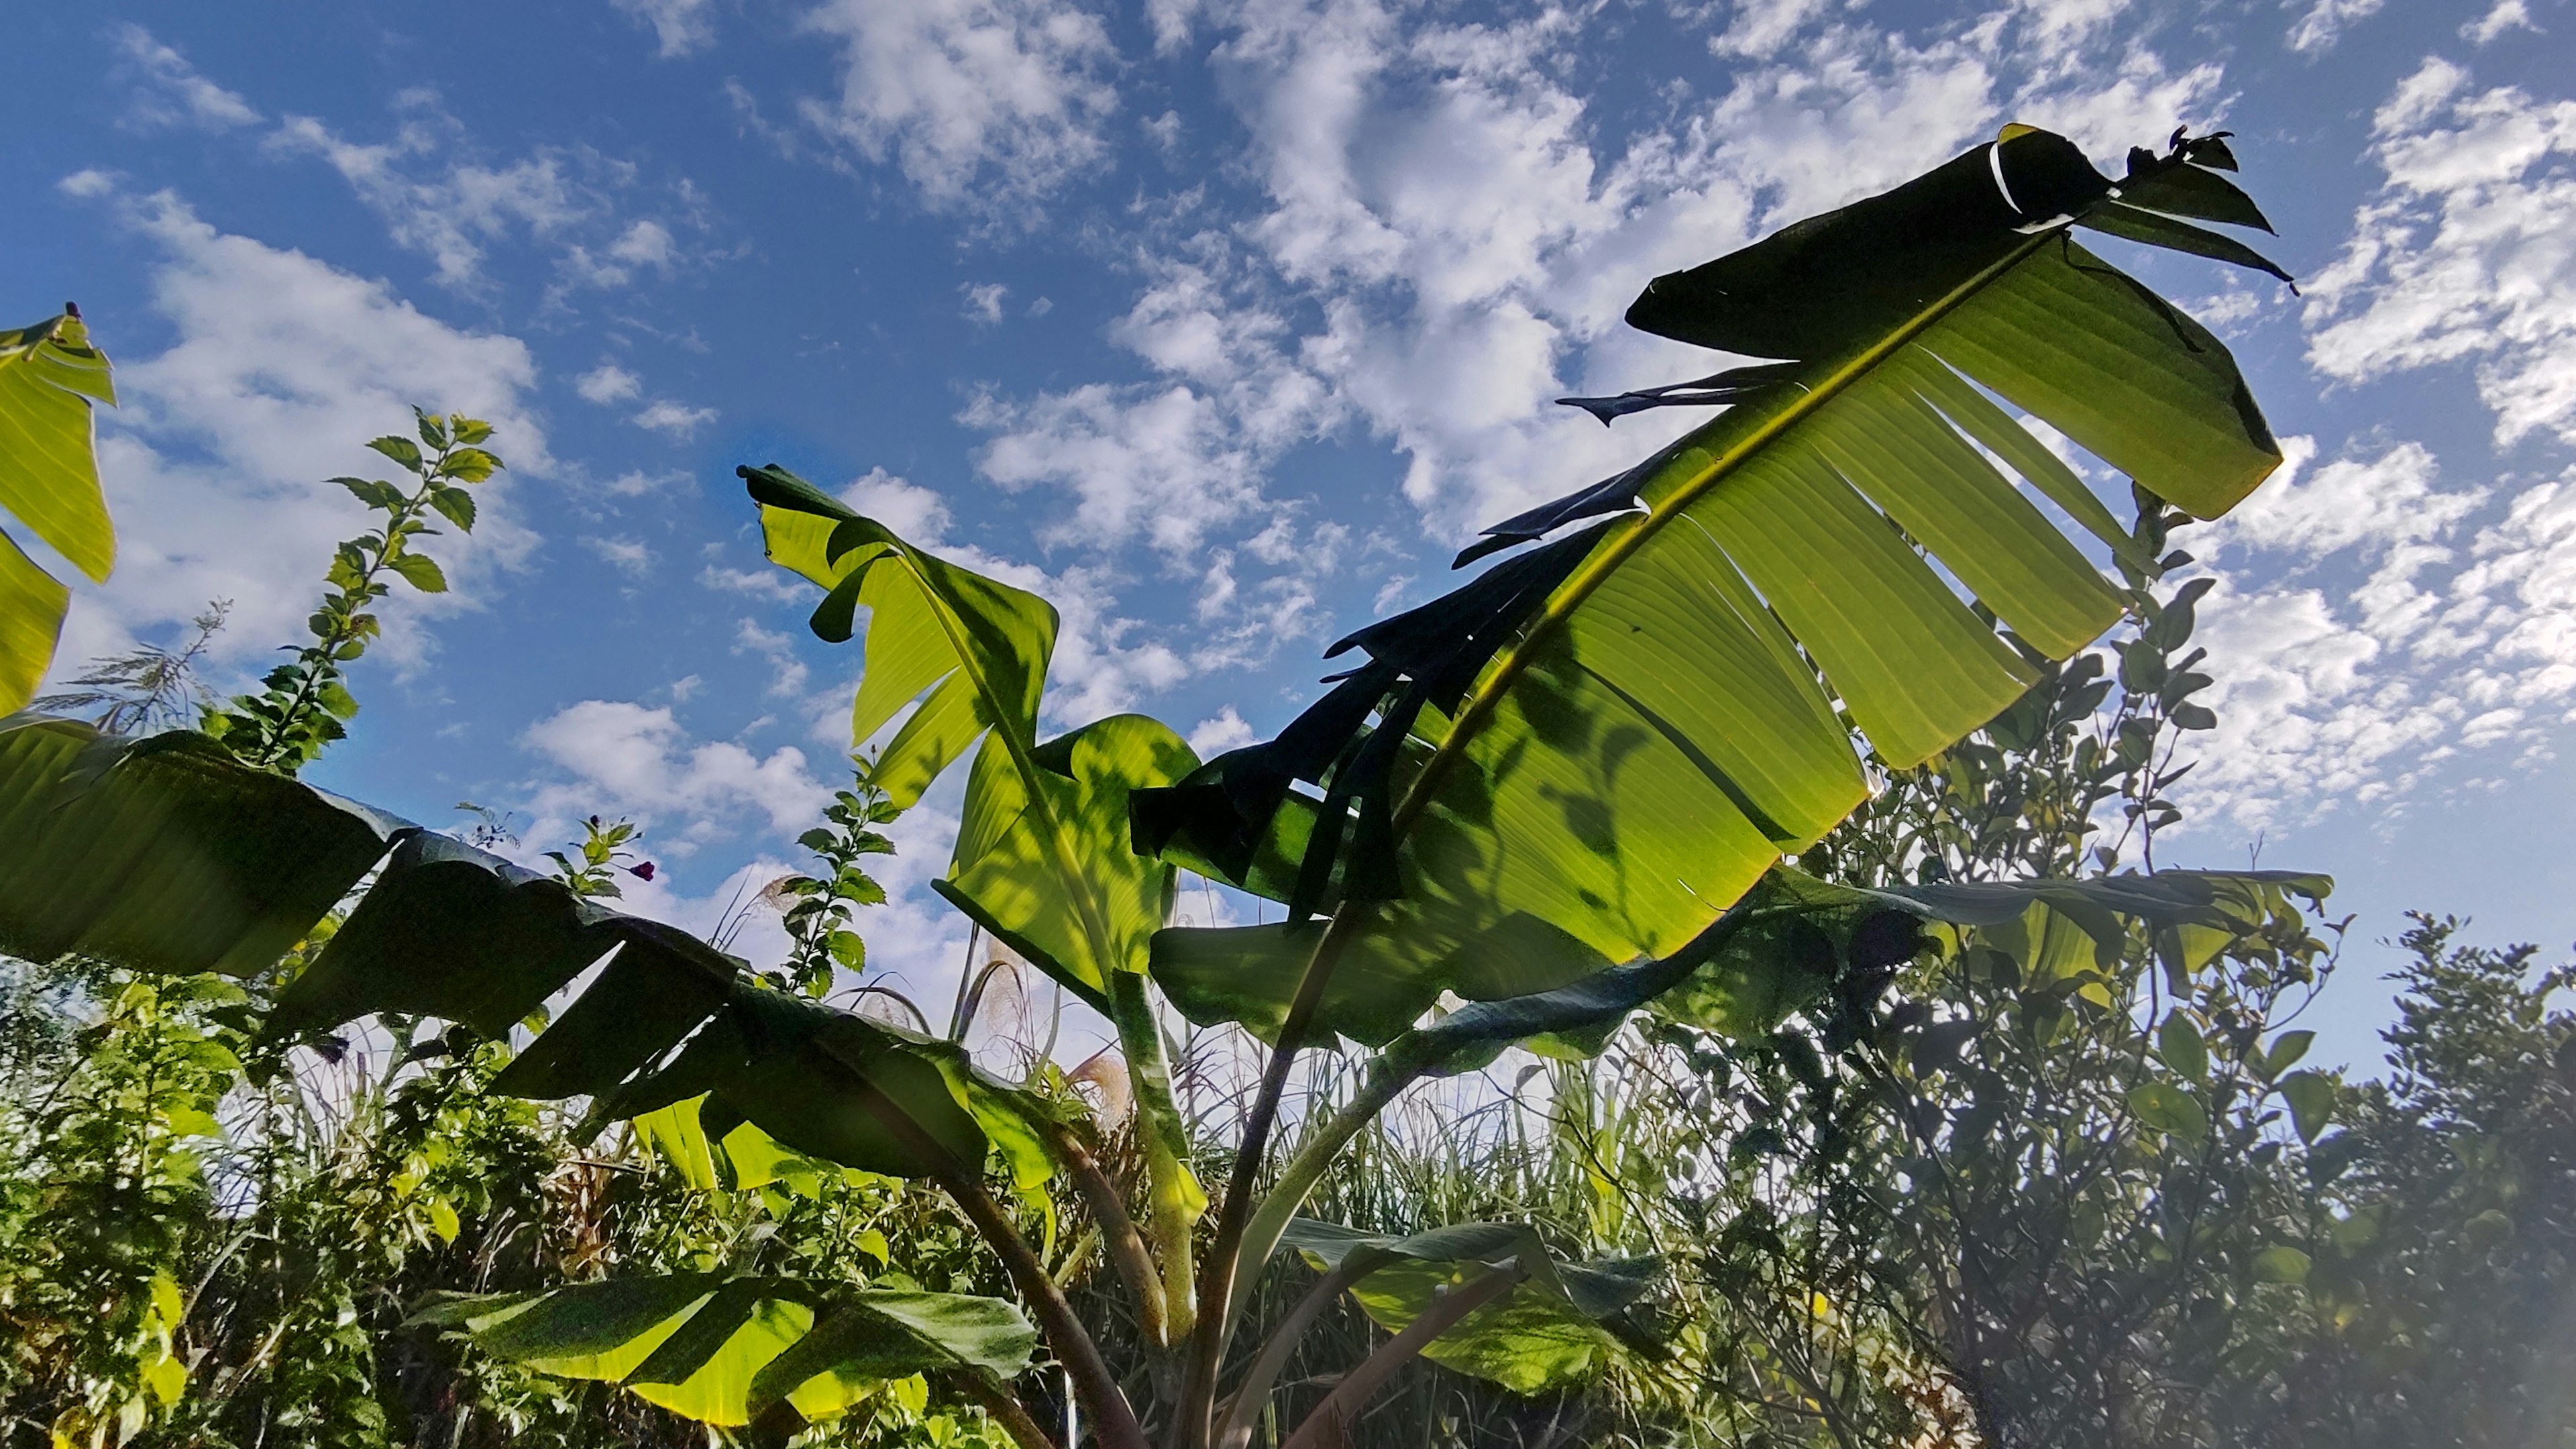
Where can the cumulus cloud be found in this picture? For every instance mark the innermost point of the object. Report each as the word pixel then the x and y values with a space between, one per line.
pixel 436 197
pixel 608 383
pixel 1223 731
pixel 623 758
pixel 280 368
pixel 2399 621
pixel 627 555
pixel 2463 256
pixel 673 419
pixel 980 103
pixel 2325 22
pixel 916 514
pixel 169 93
pixel 678 26
pixel 1157 463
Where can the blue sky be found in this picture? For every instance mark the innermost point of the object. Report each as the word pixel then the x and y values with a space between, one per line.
pixel 1220 322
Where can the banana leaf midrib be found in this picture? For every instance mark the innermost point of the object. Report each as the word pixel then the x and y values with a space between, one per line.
pixel 1570 596
pixel 1032 777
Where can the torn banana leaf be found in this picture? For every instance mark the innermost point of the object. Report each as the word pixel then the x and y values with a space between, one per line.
pixel 51 375
pixel 1584 755
pixel 1545 1334
pixel 775 1353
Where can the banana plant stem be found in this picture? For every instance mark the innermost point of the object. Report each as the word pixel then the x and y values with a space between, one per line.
pixel 1361 1384
pixel 1174 1200
pixel 1307 1166
pixel 1207 1346
pixel 1120 1241
pixel 1093 1383
pixel 996 1399
pixel 964 1184
pixel 1254 1391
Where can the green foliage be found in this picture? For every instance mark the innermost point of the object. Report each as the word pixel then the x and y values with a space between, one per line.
pixel 603 854
pixel 1590 751
pixel 304 704
pixel 2437 1242
pixel 817 910
pixel 1549 793
pixel 106 1171
pixel 50 375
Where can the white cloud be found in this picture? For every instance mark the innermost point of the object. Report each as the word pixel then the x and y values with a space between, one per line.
pixel 2325 22
pixel 776 584
pixel 608 383
pixel 787 672
pixel 1157 463
pixel 452 216
pixel 2457 635
pixel 984 303
pixel 435 198
pixel 645 243
pixel 1762 28
pixel 626 759
pixel 281 368
pixel 981 102
pixel 1222 732
pixel 169 92
pixel 673 419
pixel 627 555
pixel 916 514
pixel 678 26
pixel 2507 15
pixel 2464 256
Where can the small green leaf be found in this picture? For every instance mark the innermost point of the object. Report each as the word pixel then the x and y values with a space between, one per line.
pixel 469 465
pixel 2178 1042
pixel 192 1122
pixel 401 450
pixel 468 430
pixel 442 1219
pixel 2287 1048
pixel 433 431
pixel 420 571
pixel 2311 1096
pixel 456 504
pixel 2280 1264
pixel 2168 1109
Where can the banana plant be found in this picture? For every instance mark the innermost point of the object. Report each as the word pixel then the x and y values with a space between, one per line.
pixel 1590 752
pixel 1561 793
pixel 50 376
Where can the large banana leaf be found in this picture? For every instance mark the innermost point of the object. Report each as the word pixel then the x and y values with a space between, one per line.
pixel 776 1352
pixel 49 377
pixel 167 854
pixel 1546 1333
pixel 1791 944
pixel 1043 858
pixel 1587 753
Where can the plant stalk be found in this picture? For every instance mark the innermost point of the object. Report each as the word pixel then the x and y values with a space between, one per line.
pixel 1207 1346
pixel 1361 1384
pixel 996 1399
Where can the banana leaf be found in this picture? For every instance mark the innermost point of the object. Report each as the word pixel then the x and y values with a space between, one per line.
pixel 777 1353
pixel 1546 1333
pixel 166 854
pixel 1043 857
pixel 1587 753
pixel 50 375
